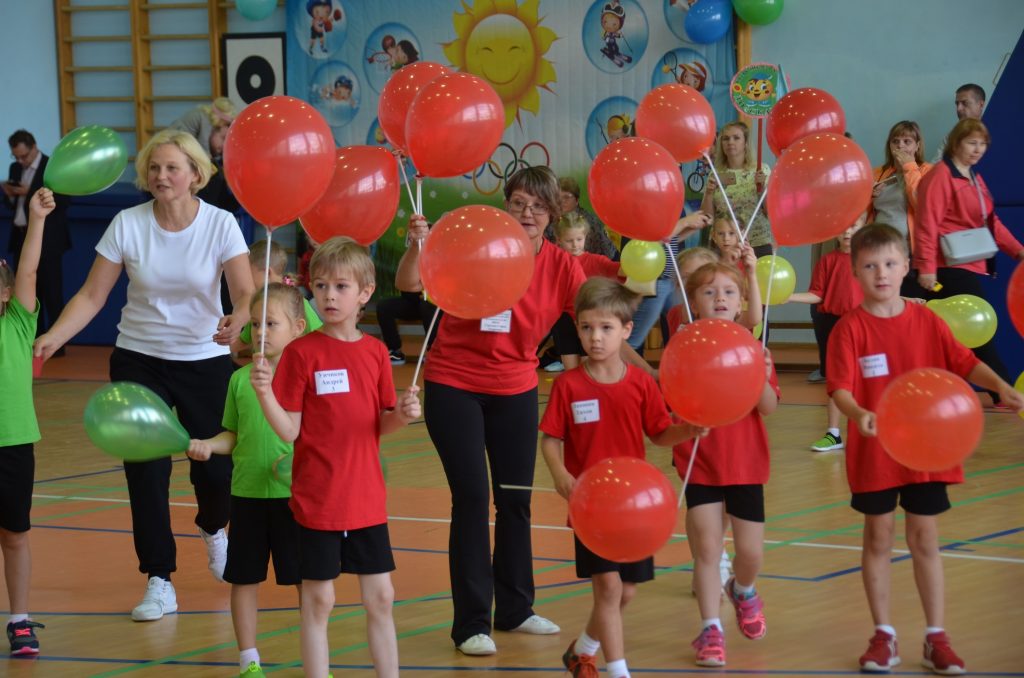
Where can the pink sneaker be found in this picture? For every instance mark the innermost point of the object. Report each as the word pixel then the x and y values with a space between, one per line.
pixel 882 654
pixel 939 655
pixel 710 647
pixel 749 612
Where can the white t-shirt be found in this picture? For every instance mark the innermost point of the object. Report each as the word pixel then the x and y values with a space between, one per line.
pixel 173 280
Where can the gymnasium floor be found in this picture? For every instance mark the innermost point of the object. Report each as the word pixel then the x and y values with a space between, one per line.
pixel 85 579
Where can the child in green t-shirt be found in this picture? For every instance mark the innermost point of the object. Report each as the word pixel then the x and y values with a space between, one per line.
pixel 261 522
pixel 19 430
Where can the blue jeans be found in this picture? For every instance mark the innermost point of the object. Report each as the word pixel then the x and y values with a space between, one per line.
pixel 650 310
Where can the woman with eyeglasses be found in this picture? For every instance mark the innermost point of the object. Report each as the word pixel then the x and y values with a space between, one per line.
pixel 894 196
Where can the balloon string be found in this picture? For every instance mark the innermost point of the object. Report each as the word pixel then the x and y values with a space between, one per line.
pixel 408 186
pixel 728 203
pixel 682 286
pixel 753 215
pixel 767 304
pixel 689 470
pixel 419 194
pixel 266 285
pixel 423 349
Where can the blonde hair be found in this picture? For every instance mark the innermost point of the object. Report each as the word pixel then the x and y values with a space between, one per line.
pixel 686 256
pixel 748 160
pixel 342 252
pixel 278 257
pixel 221 112
pixel 287 296
pixel 198 159
pixel 569 222
pixel 706 273
pixel 608 296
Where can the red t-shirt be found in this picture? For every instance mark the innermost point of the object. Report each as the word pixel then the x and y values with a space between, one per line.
pixel 597 421
pixel 595 265
pixel 505 362
pixel 736 454
pixel 833 281
pixel 865 353
pixel 676 318
pixel 340 387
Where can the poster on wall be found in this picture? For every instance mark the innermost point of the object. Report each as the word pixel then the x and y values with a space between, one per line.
pixel 254 66
pixel 570 76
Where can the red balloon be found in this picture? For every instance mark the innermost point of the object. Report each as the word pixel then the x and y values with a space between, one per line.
pixel 454 124
pixel 801 113
pixel 361 200
pixel 929 419
pixel 476 262
pixel 278 159
pixel 712 372
pixel 636 188
pixel 623 509
pixel 1015 298
pixel 679 118
pixel 819 187
pixel 397 95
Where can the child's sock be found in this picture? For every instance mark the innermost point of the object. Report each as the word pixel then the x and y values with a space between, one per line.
pixel 617 669
pixel 246 657
pixel 886 629
pixel 929 630
pixel 714 621
pixel 15 618
pixel 834 431
pixel 742 592
pixel 587 645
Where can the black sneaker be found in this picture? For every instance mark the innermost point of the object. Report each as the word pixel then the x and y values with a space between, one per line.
pixel 397 357
pixel 23 638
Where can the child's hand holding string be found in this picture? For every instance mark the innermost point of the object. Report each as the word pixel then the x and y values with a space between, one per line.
pixel 261 375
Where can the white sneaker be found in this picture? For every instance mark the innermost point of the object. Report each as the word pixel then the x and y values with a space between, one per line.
pixel 538 626
pixel 159 600
pixel 216 551
pixel 478 646
pixel 725 568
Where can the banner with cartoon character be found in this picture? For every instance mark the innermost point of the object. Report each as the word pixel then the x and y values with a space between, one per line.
pixel 570 76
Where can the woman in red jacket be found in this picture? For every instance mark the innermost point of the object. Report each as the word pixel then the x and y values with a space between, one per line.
pixel 953 197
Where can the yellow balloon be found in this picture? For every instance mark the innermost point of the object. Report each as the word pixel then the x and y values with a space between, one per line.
pixel 971 319
pixel 1019 387
pixel 643 261
pixel 783 279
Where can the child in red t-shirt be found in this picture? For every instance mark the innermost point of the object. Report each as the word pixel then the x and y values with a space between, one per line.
pixel 571 234
pixel 692 258
pixel 835 291
pixel 600 410
pixel 871 345
pixel 332 395
pixel 731 469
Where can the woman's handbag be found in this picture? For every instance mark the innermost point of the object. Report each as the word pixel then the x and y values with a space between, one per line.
pixel 972 244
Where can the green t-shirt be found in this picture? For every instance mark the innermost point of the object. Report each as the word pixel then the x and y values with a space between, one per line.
pixel 258 448
pixel 18 425
pixel 313 322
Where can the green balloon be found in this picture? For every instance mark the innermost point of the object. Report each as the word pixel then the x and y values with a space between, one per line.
pixel 758 12
pixel 130 422
pixel 86 161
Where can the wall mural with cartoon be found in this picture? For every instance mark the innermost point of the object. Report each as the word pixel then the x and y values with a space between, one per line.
pixel 570 76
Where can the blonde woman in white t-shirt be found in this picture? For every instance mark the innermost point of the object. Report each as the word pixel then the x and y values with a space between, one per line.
pixel 173 338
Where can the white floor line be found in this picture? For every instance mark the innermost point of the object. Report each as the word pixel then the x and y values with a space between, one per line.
pixel 563 528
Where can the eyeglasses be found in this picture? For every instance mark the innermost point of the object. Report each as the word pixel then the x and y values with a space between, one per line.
pixel 519 206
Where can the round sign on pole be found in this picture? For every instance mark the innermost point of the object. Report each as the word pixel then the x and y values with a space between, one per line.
pixel 756 88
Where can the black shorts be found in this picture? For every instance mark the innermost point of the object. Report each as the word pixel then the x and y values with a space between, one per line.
pixel 589 563
pixel 923 499
pixel 566 337
pixel 17 474
pixel 745 502
pixel 261 528
pixel 328 553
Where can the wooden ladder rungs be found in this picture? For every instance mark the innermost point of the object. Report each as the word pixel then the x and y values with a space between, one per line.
pixel 97 69
pixel 150 6
pixel 152 37
pixel 86 100
pixel 178 97
pixel 154 68
pixel 94 8
pixel 98 38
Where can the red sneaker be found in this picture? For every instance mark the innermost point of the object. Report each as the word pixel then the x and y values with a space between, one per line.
pixel 882 654
pixel 579 665
pixel 939 655
pixel 749 612
pixel 710 647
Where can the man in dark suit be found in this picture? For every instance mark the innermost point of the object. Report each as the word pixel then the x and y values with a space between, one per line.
pixel 24 178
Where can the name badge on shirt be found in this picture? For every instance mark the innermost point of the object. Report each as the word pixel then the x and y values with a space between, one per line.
pixel 331 381
pixel 497 323
pixel 874 366
pixel 586 411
